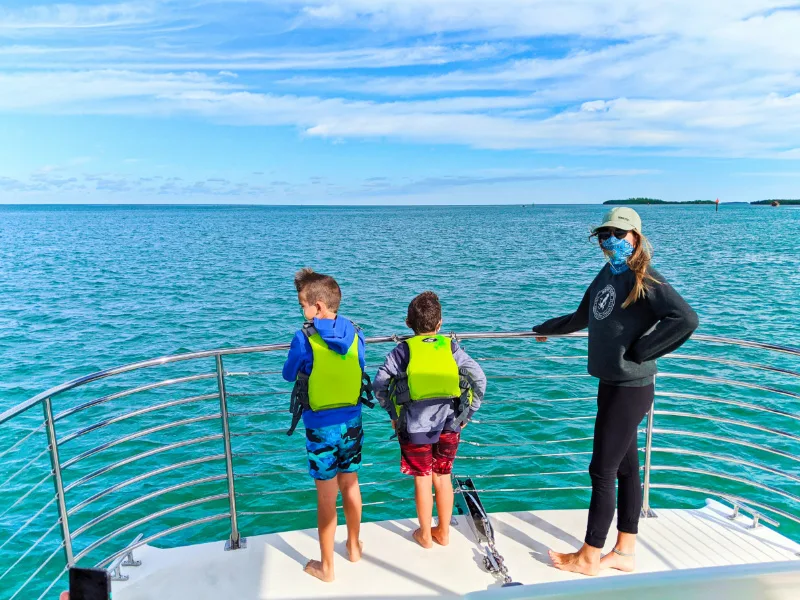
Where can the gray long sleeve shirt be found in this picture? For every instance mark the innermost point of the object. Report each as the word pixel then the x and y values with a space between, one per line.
pixel 624 343
pixel 426 419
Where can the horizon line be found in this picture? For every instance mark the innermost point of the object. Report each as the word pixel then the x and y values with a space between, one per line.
pixel 339 205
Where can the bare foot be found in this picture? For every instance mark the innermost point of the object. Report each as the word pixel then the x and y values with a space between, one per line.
pixel 574 562
pixel 354 550
pixel 440 538
pixel 425 543
pixel 612 560
pixel 314 567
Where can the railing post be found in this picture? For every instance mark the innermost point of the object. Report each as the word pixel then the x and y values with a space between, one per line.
pixel 235 542
pixel 647 512
pixel 47 405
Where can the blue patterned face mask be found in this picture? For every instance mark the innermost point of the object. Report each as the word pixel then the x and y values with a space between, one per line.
pixel 618 252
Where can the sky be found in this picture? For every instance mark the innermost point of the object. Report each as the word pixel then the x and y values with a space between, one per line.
pixel 398 101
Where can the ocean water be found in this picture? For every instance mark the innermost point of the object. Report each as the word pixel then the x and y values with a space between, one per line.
pixel 87 288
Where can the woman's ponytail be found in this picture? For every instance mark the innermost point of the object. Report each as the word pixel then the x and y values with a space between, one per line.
pixel 639 263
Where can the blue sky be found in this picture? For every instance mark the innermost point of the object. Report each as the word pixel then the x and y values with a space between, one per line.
pixel 398 101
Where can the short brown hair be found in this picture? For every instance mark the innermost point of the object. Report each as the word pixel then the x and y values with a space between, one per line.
pixel 424 313
pixel 316 287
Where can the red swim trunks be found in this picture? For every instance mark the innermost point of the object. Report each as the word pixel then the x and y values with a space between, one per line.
pixel 423 459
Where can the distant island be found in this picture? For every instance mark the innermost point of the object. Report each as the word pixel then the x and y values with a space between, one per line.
pixel 636 201
pixel 657 201
pixel 790 202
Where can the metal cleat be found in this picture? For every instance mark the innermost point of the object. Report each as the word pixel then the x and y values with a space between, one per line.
pixel 124 560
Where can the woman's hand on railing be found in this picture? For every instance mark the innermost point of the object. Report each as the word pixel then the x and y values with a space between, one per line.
pixel 541 338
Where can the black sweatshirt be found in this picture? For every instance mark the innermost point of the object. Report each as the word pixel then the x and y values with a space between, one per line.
pixel 624 343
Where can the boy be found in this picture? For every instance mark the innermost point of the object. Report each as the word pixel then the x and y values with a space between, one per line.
pixel 431 388
pixel 326 360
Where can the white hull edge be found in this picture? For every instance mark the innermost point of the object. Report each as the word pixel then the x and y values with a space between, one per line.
pixel 679 550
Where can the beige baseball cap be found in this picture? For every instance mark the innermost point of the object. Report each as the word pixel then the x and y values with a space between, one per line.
pixel 621 217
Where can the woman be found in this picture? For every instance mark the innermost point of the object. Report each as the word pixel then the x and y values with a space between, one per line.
pixel 634 316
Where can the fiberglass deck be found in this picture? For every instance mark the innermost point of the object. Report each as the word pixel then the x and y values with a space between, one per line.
pixel 394 567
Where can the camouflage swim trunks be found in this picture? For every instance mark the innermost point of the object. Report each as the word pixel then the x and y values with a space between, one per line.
pixel 334 449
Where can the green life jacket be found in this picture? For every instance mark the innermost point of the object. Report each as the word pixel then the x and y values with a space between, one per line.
pixel 336 380
pixel 432 372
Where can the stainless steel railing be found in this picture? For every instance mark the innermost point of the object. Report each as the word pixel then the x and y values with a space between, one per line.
pixel 234 542
pixel 185 463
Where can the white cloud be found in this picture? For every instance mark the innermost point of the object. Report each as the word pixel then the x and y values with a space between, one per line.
pixel 759 55
pixel 766 125
pixel 160 59
pixel 44 182
pixel 754 126
pixel 382 186
pixel 75 16
pixel 711 78
pixel 759 126
pixel 770 174
pixel 598 18
pixel 86 91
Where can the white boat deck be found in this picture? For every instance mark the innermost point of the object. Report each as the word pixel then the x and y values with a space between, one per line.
pixel 394 567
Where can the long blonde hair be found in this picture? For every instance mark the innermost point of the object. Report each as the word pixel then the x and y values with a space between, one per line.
pixel 639 263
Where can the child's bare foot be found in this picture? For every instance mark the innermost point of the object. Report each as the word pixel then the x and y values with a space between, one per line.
pixel 315 568
pixel 574 562
pixel 421 540
pixel 612 560
pixel 354 550
pixel 438 536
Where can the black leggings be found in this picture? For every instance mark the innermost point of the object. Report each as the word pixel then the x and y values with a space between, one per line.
pixel 615 455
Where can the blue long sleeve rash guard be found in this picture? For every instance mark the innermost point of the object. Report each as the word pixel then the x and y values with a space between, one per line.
pixel 338 334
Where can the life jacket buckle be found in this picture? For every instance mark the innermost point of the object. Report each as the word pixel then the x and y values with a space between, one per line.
pixel 308 329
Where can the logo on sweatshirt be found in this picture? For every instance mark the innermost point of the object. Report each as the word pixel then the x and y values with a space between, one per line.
pixel 604 302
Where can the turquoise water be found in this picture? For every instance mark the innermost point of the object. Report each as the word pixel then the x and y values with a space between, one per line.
pixel 86 288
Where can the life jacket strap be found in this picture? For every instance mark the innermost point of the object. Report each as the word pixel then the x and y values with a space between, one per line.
pixel 402 393
pixel 367 398
pixel 464 402
pixel 308 329
pixel 299 401
pixel 399 398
